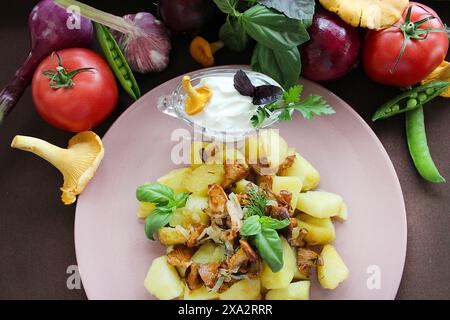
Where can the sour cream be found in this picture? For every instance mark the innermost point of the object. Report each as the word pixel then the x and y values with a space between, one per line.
pixel 228 109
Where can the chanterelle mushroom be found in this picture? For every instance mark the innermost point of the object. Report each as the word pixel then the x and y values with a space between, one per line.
pixel 77 163
pixel 372 14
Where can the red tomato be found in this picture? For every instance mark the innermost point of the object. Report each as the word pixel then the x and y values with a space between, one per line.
pixel 420 58
pixel 86 101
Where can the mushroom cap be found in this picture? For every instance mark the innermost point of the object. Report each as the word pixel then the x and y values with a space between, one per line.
pixel 85 152
pixel 372 14
pixel 201 51
pixel 442 72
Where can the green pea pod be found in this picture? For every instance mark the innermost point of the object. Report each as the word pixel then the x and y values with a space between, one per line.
pixel 411 99
pixel 418 147
pixel 117 61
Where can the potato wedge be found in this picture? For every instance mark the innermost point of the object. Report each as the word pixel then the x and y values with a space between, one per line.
pixel 200 294
pixel 267 149
pixel 343 213
pixel 162 280
pixel 294 291
pixel 333 271
pixel 203 152
pixel 246 289
pixel 171 236
pixel 304 170
pixel 320 231
pixel 319 204
pixel 145 208
pixel 242 185
pixel 291 184
pixel 197 204
pixel 200 178
pixel 185 217
pixel 175 179
pixel 282 278
pixel 209 252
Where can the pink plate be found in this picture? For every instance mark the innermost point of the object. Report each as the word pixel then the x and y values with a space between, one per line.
pixel 114 254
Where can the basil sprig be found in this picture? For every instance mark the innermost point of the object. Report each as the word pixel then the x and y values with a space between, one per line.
pixel 261 230
pixel 166 203
pixel 277 36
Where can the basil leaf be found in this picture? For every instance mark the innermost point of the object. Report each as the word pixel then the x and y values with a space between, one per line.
pixel 251 226
pixel 154 192
pixel 227 6
pixel 233 34
pixel 156 220
pixel 268 243
pixel 272 29
pixel 180 199
pixel 295 9
pixel 283 66
pixel 272 223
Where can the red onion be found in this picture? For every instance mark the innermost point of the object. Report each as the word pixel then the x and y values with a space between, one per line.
pixel 50 29
pixel 144 39
pixel 333 49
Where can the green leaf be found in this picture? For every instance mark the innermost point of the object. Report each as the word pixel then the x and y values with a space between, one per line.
pixel 233 34
pixel 312 106
pixel 293 94
pixel 251 226
pixel 285 115
pixel 262 113
pixel 272 223
pixel 283 66
pixel 295 9
pixel 227 6
pixel 268 244
pixel 156 220
pixel 180 199
pixel 155 192
pixel 273 30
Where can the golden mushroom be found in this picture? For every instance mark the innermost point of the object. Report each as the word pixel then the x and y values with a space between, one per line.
pixel 372 14
pixel 197 97
pixel 203 52
pixel 78 163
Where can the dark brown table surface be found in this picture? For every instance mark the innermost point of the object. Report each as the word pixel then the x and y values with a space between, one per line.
pixel 36 229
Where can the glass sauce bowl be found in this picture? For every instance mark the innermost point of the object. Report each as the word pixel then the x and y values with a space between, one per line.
pixel 173 104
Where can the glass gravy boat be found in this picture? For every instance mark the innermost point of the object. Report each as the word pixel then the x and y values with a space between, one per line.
pixel 173 105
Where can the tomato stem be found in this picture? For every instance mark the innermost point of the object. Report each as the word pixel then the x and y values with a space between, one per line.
pixel 60 78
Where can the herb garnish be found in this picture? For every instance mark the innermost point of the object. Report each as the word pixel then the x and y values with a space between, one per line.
pixel 261 94
pixel 261 229
pixel 166 202
pixel 313 105
pixel 277 33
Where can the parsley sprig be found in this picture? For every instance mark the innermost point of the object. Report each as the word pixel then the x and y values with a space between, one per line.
pixel 312 106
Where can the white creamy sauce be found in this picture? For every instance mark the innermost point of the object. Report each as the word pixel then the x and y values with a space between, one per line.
pixel 227 109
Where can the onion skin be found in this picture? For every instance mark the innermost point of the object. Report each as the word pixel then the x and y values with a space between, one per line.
pixel 333 49
pixel 148 48
pixel 47 25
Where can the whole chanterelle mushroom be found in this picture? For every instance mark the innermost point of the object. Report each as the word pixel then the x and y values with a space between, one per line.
pixel 77 163
pixel 372 14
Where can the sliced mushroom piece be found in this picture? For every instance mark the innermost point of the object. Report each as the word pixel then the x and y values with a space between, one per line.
pixel 233 173
pixel 209 272
pixel 287 163
pixel 306 259
pixel 180 256
pixel 251 254
pixel 192 276
pixel 235 212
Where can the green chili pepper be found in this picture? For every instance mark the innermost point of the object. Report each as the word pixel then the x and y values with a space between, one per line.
pixel 117 61
pixel 418 147
pixel 411 99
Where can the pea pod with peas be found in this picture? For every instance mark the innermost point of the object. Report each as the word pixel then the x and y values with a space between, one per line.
pixel 117 61
pixel 411 102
